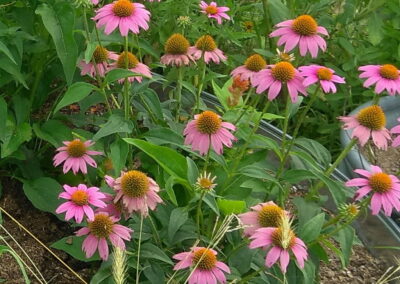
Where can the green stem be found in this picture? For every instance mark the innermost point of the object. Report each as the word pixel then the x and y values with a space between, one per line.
pixel 138 46
pixel 267 21
pixel 156 235
pixel 375 100
pixel 286 120
pixel 208 155
pixel 250 276
pixel 126 83
pixel 198 213
pixel 201 83
pixel 328 171
pixel 138 251
pixel 296 131
pixel 244 107
pixel 179 92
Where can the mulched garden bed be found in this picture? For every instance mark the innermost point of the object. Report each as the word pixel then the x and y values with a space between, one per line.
pixel 45 227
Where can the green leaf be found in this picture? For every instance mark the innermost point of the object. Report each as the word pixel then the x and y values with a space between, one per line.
pixel 308 271
pixel 256 172
pixel 59 20
pixel 346 238
pixel 375 34
pixel 306 210
pixel 43 193
pixel 231 206
pixel 162 135
pixel 20 134
pixel 311 230
pixel 271 116
pixel 53 131
pixel 73 246
pixel 13 69
pixel 336 188
pixel 315 149
pixel 117 74
pixel 119 153
pixel 278 11
pixel 151 99
pixel 169 188
pixel 75 93
pixel 222 93
pixel 170 160
pixel 6 51
pixel 115 124
pixel 3 118
pixel 17 258
pixel 294 176
pixel 346 44
pixel 193 171
pixel 210 201
pixel 178 217
pixel 150 251
pixel 241 259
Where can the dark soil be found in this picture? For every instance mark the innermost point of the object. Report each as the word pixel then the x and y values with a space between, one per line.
pixel 46 228
pixel 363 268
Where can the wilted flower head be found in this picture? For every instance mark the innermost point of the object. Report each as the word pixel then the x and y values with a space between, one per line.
pixel 248 26
pixel 385 77
pixel 123 14
pixel 251 66
pixel 275 77
pixel 370 121
pixel 207 129
pixel 75 155
pixel 136 190
pixel 238 87
pixel 176 51
pixel 385 189
pixel 100 57
pixel 207 267
pixel 205 46
pixel 127 60
pixel 302 31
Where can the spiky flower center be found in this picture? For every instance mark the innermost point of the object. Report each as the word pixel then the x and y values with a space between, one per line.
pixel 122 61
pixel 270 215
pixel 205 259
pixel 380 182
pixel 80 197
pixel 283 56
pixel 135 184
pixel 76 148
pixel 102 226
pixel 211 10
pixel 206 43
pixel 208 122
pixel 177 44
pixel 372 117
pixel 389 71
pixel 282 239
pixel 123 8
pixel 205 183
pixel 324 74
pixel 305 25
pixel 255 63
pixel 248 25
pixel 100 54
pixel 352 209
pixel 283 71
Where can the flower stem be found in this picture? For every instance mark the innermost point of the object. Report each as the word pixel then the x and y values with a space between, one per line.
pixel 267 21
pixel 296 131
pixel 375 100
pixel 201 83
pixel 244 107
pixel 198 214
pixel 329 170
pixel 286 120
pixel 138 251
pixel 126 83
pixel 179 92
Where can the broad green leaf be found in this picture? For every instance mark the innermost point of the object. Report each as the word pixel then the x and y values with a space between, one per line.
pixel 178 217
pixel 3 118
pixel 375 32
pixel 115 124
pixel 6 51
pixel 21 134
pixel 308 271
pixel 152 102
pixel 336 188
pixel 53 131
pixel 278 11
pixel 241 259
pixel 311 230
pixel 154 273
pixel 222 93
pixel 256 172
pixel 75 93
pixel 170 160
pixel 346 238
pixel 43 193
pixel 119 153
pixel 150 251
pixel 294 176
pixel 13 69
pixel 117 74
pixel 59 20
pixel 162 135
pixel 73 246
pixel 210 201
pixel 315 149
pixel 306 210
pixel 169 188
pixel 231 206
pixel 346 44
